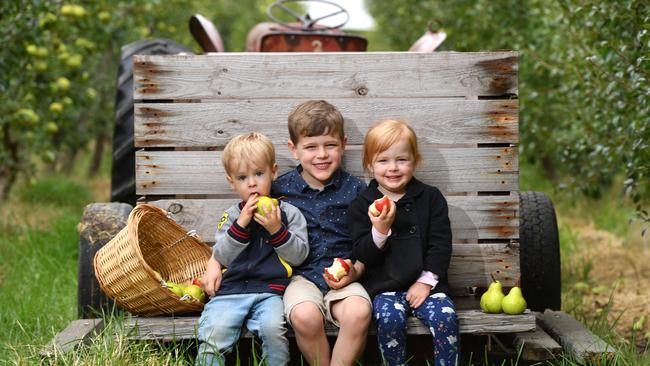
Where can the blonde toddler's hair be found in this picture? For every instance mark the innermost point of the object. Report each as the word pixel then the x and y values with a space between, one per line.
pixel 248 148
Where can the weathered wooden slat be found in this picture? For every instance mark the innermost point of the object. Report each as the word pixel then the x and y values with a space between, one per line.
pixel 437 121
pixel 325 75
pixel 536 345
pixel 575 338
pixel 449 169
pixel 472 264
pixel 75 334
pixel 470 322
pixel 472 217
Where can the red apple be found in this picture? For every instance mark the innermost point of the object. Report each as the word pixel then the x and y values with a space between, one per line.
pixel 337 270
pixel 378 206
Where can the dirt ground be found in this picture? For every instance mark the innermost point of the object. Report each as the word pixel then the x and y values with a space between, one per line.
pixel 613 277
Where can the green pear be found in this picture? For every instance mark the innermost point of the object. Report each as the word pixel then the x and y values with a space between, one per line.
pixel 491 299
pixel 265 204
pixel 514 303
pixel 178 289
pixel 196 292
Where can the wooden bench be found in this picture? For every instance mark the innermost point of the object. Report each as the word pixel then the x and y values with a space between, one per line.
pixel 463 107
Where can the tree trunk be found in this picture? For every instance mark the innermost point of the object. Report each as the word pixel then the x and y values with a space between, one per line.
pixel 98 153
pixel 9 172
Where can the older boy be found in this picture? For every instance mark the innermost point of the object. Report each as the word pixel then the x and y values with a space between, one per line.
pixel 258 251
pixel 322 191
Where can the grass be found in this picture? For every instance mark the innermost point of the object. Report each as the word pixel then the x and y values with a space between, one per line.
pixel 38 259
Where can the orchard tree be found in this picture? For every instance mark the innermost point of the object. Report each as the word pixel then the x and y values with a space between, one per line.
pixel 58 66
pixel 584 78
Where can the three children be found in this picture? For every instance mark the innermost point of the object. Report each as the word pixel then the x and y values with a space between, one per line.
pixel 335 208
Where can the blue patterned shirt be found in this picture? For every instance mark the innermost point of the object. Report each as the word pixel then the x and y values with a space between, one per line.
pixel 326 214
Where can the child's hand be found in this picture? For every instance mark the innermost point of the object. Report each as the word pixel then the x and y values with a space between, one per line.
pixel 211 281
pixel 272 222
pixel 353 274
pixel 248 211
pixel 417 293
pixel 384 221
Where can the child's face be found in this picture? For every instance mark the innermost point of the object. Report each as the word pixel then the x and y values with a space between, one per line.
pixel 319 156
pixel 248 179
pixel 393 168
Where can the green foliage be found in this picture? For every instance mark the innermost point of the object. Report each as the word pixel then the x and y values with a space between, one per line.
pixel 37 284
pixel 584 78
pixel 55 191
pixel 59 61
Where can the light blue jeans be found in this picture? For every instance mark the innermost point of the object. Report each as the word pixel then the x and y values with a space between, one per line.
pixel 221 323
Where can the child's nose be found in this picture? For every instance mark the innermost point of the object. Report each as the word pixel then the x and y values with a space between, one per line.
pixel 322 152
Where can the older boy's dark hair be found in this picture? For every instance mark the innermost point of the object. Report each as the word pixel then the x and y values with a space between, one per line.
pixel 315 118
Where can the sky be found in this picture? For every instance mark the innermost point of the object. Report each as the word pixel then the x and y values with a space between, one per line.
pixel 359 17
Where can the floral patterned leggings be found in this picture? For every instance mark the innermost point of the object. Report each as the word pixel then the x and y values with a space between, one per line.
pixel 437 312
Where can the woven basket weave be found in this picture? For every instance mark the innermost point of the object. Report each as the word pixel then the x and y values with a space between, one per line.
pixel 150 242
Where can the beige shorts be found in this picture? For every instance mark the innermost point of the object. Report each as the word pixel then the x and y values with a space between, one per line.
pixel 302 290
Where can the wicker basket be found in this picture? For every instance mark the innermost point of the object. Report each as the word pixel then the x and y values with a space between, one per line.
pixel 150 242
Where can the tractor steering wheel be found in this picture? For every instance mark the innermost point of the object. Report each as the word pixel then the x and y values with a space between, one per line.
pixel 307 23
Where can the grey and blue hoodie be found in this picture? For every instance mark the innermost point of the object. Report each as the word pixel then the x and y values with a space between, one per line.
pixel 256 261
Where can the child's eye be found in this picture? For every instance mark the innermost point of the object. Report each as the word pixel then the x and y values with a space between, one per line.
pixel 381 160
pixel 241 177
pixel 332 145
pixel 259 174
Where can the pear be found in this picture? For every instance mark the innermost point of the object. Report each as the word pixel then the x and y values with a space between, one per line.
pixel 196 292
pixel 178 289
pixel 491 299
pixel 514 303
pixel 265 204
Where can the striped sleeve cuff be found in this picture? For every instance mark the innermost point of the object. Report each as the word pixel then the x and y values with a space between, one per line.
pixel 282 236
pixel 242 235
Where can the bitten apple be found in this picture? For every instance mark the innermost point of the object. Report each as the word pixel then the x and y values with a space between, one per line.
pixel 337 270
pixel 378 206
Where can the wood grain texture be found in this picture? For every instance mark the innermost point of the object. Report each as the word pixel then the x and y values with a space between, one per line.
pixel 470 322
pixel 74 335
pixel 575 338
pixel 325 75
pixel 449 169
pixel 472 217
pixel 536 345
pixel 435 121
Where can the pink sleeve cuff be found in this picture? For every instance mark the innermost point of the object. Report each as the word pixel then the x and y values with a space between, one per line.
pixel 379 238
pixel 428 278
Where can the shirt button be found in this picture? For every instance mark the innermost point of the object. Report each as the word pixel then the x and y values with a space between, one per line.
pixel 413 229
pixel 407 207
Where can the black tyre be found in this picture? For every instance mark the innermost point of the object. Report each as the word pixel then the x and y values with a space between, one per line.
pixel 539 252
pixel 123 171
pixel 99 224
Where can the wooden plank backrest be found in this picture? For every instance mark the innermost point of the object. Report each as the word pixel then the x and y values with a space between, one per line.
pixel 463 107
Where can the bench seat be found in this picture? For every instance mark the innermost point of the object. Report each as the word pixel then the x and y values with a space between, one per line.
pixel 169 328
